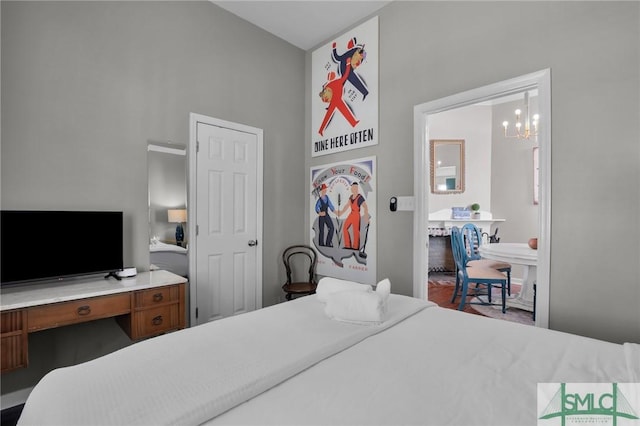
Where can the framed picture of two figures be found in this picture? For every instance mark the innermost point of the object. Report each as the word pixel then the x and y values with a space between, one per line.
pixel 345 117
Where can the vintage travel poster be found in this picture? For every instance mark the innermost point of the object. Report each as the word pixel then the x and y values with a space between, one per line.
pixel 344 101
pixel 343 215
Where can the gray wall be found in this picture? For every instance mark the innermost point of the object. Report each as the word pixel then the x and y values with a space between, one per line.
pixel 429 50
pixel 86 85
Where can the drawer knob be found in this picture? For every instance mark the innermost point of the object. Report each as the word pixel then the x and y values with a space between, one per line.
pixel 157 320
pixel 157 297
pixel 84 310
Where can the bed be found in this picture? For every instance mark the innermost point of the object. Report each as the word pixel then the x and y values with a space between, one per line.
pixel 169 257
pixel 419 364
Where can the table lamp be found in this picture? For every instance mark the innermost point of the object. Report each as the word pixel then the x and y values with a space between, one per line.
pixel 178 216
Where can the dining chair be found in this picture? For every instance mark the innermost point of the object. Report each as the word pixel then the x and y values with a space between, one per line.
pixel 479 275
pixel 300 264
pixel 473 239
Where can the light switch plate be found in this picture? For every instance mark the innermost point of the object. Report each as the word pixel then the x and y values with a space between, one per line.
pixel 406 203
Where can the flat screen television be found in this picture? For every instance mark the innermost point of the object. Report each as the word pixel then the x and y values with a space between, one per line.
pixel 41 245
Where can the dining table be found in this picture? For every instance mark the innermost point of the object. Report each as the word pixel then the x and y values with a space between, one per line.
pixel 516 254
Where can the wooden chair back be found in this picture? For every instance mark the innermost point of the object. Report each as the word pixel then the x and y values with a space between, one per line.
pixel 300 263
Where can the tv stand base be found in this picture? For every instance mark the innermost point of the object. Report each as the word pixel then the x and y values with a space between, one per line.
pixel 113 274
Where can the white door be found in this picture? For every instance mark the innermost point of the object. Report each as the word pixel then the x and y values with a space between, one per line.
pixel 228 220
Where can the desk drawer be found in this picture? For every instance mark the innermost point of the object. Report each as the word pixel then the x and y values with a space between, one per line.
pixel 65 313
pixel 157 296
pixel 13 340
pixel 150 322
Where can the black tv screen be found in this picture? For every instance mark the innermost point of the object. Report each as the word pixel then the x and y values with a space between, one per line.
pixel 42 245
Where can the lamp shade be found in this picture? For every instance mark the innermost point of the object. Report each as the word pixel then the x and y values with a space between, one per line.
pixel 177 215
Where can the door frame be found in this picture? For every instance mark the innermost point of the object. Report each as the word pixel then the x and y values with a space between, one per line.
pixel 540 80
pixel 192 201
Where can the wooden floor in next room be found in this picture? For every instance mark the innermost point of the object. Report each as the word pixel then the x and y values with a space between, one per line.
pixel 440 291
pixel 441 286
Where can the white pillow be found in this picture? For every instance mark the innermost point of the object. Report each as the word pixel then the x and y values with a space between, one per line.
pixel 328 285
pixel 384 288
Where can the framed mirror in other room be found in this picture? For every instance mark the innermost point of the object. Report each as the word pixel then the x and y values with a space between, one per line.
pixel 447 166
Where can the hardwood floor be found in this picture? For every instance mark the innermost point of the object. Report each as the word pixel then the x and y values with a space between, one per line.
pixel 441 290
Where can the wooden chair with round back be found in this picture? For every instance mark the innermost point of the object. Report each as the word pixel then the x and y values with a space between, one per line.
pixel 300 264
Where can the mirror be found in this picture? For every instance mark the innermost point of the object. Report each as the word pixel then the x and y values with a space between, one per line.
pixel 167 186
pixel 447 166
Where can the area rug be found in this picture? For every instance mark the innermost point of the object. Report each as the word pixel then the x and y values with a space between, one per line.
pixel 495 311
pixel 441 290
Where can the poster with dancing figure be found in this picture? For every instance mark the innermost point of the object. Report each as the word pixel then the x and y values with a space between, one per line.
pixel 343 214
pixel 344 102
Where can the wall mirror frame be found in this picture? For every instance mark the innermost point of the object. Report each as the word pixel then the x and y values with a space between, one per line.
pixel 167 187
pixel 447 166
pixel 167 192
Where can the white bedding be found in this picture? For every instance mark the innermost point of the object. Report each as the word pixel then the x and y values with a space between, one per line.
pixel 191 376
pixel 436 367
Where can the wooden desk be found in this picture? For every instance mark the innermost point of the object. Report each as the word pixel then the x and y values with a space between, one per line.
pixel 146 305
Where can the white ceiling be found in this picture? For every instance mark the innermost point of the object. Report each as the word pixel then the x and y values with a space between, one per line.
pixel 303 23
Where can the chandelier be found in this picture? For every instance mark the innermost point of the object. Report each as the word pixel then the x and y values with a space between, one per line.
pixel 523 129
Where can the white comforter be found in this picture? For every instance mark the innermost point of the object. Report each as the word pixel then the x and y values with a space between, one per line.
pixel 191 376
pixel 440 367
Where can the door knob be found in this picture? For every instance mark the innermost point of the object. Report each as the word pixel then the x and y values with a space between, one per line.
pixel 253 243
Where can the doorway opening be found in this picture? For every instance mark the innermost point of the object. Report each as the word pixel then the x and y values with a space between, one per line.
pixel 423 115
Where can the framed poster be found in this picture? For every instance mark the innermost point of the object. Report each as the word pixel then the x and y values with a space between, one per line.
pixel 344 102
pixel 343 212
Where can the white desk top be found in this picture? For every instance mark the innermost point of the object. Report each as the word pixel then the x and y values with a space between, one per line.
pixel 26 295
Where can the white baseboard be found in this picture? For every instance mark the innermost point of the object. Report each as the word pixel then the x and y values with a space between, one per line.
pixel 12 399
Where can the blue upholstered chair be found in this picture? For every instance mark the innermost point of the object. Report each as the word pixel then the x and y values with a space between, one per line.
pixel 479 275
pixel 473 240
